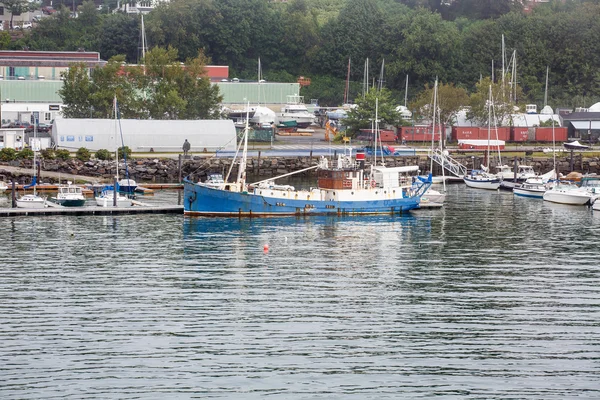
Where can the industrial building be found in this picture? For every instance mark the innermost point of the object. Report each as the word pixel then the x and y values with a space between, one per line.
pixel 143 135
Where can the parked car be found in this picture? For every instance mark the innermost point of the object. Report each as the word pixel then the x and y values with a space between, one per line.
pixel 44 127
pixel 16 124
pixel 24 25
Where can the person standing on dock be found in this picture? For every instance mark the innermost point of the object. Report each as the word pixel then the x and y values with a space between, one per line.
pixel 186 147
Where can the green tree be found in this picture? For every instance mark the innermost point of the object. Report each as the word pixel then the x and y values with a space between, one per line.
pixel 83 154
pixel 502 105
pixel 63 154
pixel 25 154
pixel 421 45
pixel 103 154
pixel 4 40
pixel 450 101
pixel 8 154
pixel 76 92
pixel 18 7
pixel 363 115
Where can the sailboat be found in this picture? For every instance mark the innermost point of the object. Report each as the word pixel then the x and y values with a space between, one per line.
pixel 481 178
pixel 565 192
pixel 110 196
pixel 345 187
pixel 431 194
pixel 32 200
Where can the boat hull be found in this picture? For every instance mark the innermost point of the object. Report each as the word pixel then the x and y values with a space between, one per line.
pixel 31 201
pixel 206 201
pixel 531 193
pixel 69 202
pixel 108 201
pixel 489 184
pixel 570 197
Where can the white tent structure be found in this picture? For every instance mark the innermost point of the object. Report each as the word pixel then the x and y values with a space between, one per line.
pixel 144 135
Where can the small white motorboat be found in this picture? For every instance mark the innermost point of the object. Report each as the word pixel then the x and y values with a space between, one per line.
pixel 69 196
pixel 568 193
pixel 532 187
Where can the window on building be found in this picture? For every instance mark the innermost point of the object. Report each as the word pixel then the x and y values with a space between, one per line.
pixel 11 71
pixel 47 117
pixel 1 10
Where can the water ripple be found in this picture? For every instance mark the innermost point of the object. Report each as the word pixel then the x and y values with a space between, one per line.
pixel 491 297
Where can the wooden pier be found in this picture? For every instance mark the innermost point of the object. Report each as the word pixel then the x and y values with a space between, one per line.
pixel 33 212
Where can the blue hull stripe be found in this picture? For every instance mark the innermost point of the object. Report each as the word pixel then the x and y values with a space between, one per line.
pixel 532 196
pixel 201 200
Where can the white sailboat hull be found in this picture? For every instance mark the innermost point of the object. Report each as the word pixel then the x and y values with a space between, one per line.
pixel 31 201
pixel 533 193
pixel 489 184
pixel 433 196
pixel 107 200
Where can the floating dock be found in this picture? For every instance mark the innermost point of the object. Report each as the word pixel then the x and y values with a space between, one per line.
pixel 32 212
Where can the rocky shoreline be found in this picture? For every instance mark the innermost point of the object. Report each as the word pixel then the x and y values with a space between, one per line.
pixel 165 170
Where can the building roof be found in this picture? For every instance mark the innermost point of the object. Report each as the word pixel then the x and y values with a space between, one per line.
pixel 582 116
pixel 26 58
pixel 585 125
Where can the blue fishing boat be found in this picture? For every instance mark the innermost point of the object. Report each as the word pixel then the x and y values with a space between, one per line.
pixel 345 187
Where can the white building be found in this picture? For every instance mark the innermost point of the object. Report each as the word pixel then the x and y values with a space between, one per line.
pixel 45 113
pixel 144 135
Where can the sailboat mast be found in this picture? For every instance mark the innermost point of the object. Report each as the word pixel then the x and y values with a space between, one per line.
pixel 34 156
pixel 433 125
pixel 381 75
pixel 406 92
pixel 546 91
pixel 366 78
pixel 489 126
pixel 241 179
pixel 347 89
pixel 503 70
pixel 116 138
pixel 143 41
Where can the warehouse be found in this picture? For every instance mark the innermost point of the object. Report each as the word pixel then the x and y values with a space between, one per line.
pixel 143 135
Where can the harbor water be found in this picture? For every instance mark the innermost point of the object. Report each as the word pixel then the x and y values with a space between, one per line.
pixel 491 297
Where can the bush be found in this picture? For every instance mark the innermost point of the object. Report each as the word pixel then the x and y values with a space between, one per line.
pixel 63 154
pixel 103 154
pixel 83 154
pixel 25 154
pixel 125 150
pixel 48 154
pixel 8 154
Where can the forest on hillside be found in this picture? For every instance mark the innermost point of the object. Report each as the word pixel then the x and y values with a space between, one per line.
pixel 456 41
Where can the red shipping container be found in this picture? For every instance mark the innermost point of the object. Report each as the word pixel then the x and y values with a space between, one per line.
pixel 545 134
pixel 368 135
pixel 500 133
pixel 417 134
pixel 519 134
pixel 465 132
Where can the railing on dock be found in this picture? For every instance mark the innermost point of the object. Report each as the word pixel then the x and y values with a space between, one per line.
pixel 447 162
